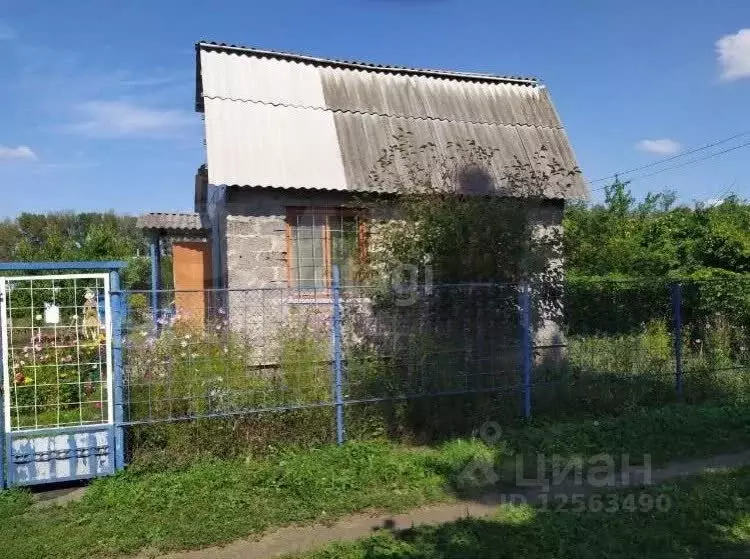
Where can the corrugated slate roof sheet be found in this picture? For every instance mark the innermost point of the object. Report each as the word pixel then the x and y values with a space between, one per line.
pixel 292 121
pixel 193 222
pixel 358 64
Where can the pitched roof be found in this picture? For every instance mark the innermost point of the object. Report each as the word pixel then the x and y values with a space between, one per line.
pixel 294 121
pixel 182 222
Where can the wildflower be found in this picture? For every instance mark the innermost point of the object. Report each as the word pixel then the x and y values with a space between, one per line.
pixel 697 341
pixel 226 349
pixel 218 326
pixel 39 317
pixel 187 336
pixel 144 333
pixel 221 310
pixel 194 355
pixel 183 354
pixel 183 343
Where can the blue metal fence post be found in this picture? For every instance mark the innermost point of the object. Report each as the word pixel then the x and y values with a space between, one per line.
pixel 677 336
pixel 155 248
pixel 117 301
pixel 337 357
pixel 524 305
pixel 2 433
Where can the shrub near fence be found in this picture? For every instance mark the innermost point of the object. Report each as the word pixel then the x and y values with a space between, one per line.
pixel 421 364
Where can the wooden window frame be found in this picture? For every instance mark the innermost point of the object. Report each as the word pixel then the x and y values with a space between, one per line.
pixel 293 212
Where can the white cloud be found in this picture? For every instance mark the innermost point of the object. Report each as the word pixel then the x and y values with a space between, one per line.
pixel 662 146
pixel 17 153
pixel 124 118
pixel 734 55
pixel 713 202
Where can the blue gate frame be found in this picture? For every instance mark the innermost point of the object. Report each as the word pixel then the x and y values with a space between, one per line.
pixel 77 452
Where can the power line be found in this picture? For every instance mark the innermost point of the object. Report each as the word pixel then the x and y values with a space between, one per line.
pixel 692 161
pixel 681 165
pixel 672 158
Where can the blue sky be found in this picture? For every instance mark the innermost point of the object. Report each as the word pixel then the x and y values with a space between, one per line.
pixel 97 97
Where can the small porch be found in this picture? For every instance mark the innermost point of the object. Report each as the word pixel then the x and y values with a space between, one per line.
pixel 186 237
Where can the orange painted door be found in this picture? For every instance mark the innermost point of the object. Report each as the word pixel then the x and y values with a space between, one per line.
pixel 191 268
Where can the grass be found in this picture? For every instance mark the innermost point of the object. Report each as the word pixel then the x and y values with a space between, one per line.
pixel 708 516
pixel 666 433
pixel 217 501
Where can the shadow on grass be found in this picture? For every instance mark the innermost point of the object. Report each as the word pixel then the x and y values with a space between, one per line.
pixel 705 516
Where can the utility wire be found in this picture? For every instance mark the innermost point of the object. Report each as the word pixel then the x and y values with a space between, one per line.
pixel 681 165
pixel 672 158
pixel 692 161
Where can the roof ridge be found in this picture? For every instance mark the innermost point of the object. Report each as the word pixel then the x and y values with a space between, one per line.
pixel 375 113
pixel 368 66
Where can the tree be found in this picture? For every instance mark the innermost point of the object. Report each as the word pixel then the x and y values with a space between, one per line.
pixel 69 236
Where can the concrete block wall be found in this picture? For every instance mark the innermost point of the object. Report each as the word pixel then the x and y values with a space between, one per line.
pixel 547 232
pixel 256 258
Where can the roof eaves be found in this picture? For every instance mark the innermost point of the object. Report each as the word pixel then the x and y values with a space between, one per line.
pixel 170 221
pixel 366 66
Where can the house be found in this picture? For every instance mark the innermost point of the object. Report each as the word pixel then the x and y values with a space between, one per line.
pixel 292 141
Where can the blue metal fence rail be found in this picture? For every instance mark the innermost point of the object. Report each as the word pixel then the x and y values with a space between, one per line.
pixel 240 352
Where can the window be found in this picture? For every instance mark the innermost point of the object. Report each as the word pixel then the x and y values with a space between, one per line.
pixel 318 238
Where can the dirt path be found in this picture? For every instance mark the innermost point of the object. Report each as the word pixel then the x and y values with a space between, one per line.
pixel 296 539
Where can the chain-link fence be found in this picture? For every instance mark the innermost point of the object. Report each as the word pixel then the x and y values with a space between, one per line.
pixel 430 360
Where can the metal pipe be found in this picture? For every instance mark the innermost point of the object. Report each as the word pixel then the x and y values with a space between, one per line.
pixel 154 248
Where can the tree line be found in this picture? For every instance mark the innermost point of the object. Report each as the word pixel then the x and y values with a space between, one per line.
pixel 73 236
pixel 654 237
pixel 619 238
